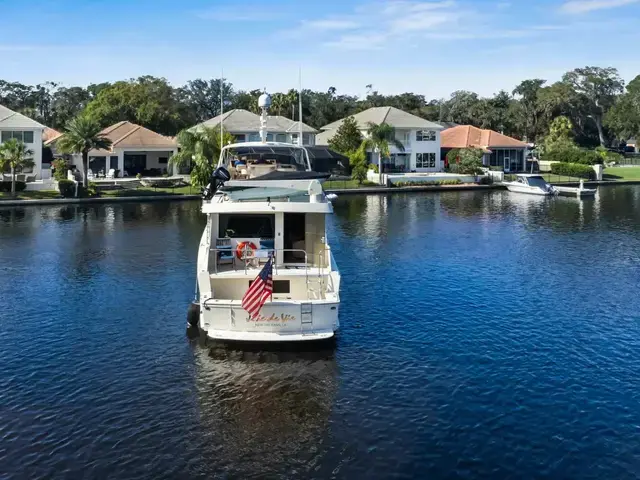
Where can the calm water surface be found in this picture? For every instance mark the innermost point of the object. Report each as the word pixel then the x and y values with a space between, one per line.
pixel 484 336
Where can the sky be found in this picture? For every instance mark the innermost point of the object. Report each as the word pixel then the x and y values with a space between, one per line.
pixel 426 47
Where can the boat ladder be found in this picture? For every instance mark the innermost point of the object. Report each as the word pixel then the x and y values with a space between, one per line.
pixel 306 317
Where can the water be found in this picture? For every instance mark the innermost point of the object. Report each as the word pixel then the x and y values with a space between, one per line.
pixel 484 336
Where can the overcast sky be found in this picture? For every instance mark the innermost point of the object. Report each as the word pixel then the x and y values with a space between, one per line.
pixel 427 47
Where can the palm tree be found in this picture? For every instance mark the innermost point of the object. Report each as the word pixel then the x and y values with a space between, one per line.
pixel 82 135
pixel 13 154
pixel 379 139
pixel 201 149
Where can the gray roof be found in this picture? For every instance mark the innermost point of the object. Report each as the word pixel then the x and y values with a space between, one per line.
pixel 240 120
pixel 393 116
pixel 323 137
pixel 11 119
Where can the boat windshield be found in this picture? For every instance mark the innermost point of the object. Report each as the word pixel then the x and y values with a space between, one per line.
pixel 252 161
pixel 537 182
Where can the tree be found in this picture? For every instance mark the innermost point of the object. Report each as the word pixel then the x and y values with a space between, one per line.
pixel 624 116
pixel 67 103
pixel 467 161
pixel 203 97
pixel 201 149
pixel 380 138
pixel 148 101
pixel 347 138
pixel 528 115
pixel 82 135
pixel 13 154
pixel 559 137
pixel 599 88
pixel 358 163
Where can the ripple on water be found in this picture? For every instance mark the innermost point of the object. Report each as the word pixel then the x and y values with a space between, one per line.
pixel 484 336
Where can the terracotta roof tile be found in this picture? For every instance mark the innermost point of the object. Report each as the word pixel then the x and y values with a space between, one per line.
pixel 464 136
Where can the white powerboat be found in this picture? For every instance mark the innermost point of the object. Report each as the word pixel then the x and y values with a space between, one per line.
pixel 531 184
pixel 256 225
pixel 534 184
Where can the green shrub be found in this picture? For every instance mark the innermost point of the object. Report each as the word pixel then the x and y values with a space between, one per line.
pixel 60 169
pixel 373 167
pixel 67 188
pixel 6 186
pixel 453 181
pixel 573 170
pixel 90 191
pixel 574 155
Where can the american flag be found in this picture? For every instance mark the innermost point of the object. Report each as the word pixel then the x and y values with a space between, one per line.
pixel 259 290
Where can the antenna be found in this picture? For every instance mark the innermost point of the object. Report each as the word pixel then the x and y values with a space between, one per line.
pixel 300 107
pixel 221 106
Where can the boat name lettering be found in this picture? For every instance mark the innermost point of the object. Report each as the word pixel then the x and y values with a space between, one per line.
pixel 282 318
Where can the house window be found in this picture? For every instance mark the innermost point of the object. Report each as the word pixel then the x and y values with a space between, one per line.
pixel 240 138
pixel 425 160
pixel 426 136
pixel 294 138
pixel 306 139
pixel 113 162
pixel 281 137
pixel 163 160
pixel 26 137
pixel 254 137
pixel 269 137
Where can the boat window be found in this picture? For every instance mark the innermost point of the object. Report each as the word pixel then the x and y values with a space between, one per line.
pixel 247 226
pixel 537 182
pixel 279 286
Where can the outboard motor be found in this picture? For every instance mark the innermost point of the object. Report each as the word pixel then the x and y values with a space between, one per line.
pixel 219 176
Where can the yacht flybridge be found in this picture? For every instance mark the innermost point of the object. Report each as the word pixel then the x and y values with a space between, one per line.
pixel 266 221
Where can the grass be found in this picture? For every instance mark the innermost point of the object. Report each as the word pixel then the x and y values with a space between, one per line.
pixel 338 184
pixel 621 173
pixel 44 194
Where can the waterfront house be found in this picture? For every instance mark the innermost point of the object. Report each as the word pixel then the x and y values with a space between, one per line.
pixel 134 149
pixel 420 138
pixel 500 151
pixel 245 127
pixel 21 127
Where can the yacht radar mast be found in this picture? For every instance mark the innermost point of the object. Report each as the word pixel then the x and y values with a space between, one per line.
pixel 264 102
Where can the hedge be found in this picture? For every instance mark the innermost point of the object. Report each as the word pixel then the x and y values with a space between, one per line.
pixel 573 170
pixel 6 186
pixel 574 155
pixel 67 188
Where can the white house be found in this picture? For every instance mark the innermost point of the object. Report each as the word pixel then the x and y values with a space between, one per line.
pixel 134 149
pixel 245 126
pixel 16 125
pixel 420 138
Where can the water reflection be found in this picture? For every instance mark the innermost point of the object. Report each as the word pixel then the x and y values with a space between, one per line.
pixel 265 411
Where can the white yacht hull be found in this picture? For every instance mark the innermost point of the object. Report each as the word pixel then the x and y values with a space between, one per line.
pixel 279 321
pixel 519 188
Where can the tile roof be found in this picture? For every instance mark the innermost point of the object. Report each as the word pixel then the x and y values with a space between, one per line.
pixel 11 119
pixel 240 120
pixel 129 135
pixel 464 136
pixel 49 135
pixel 393 116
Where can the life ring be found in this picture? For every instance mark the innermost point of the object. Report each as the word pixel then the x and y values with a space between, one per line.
pixel 250 250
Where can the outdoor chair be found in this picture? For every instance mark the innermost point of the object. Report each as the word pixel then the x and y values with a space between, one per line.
pixel 111 174
pixel 31 178
pixel 21 177
pixel 90 175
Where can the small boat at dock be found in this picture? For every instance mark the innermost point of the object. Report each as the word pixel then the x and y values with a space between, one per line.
pixel 534 184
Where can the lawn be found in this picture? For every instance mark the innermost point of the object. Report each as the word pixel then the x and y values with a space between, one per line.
pixel 344 184
pixel 44 194
pixel 621 173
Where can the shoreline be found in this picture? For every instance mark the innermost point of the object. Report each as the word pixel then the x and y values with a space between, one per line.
pixel 341 191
